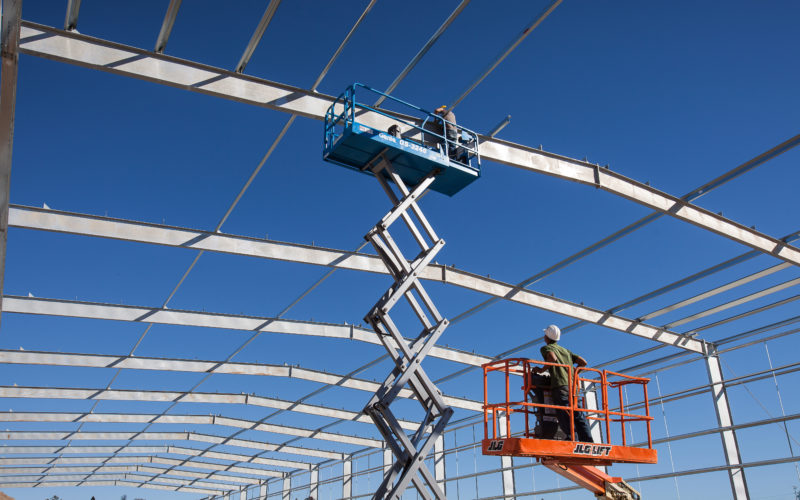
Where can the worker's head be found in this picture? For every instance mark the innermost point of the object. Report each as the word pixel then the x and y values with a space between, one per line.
pixel 552 334
pixel 441 110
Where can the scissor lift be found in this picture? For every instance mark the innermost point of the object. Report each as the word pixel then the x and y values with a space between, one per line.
pixel 412 155
pixel 510 425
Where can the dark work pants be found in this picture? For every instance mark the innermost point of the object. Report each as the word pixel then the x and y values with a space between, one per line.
pixel 561 398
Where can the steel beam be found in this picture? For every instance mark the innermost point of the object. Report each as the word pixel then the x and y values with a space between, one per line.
pixel 347 478
pixel 74 48
pixel 424 50
pixel 730 444
pixel 141 363
pixel 286 494
pixel 177 450
pixel 9 53
pixel 86 472
pixel 439 469
pixel 156 418
pixel 194 397
pixel 313 482
pixel 49 220
pixel 71 19
pixel 342 45
pixel 510 48
pixel 506 462
pixel 176 436
pixel 257 34
pixel 733 303
pixel 167 24
pixel 717 290
pixel 125 480
pixel 158 315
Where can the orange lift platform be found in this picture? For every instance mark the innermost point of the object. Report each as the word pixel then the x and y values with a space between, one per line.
pixel 527 426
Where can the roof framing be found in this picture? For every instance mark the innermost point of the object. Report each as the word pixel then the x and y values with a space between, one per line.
pixel 50 220
pixel 199 366
pixel 90 52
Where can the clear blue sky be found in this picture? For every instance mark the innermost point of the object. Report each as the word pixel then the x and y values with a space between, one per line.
pixel 674 93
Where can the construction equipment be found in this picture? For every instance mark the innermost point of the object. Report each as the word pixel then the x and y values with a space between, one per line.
pixel 527 426
pixel 413 142
pixel 409 152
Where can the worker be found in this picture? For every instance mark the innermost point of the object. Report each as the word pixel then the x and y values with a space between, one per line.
pixel 560 380
pixel 450 128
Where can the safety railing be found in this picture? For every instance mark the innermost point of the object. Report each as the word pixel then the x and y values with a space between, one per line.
pixel 521 413
pixel 415 125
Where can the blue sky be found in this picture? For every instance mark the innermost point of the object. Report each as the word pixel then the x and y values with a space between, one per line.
pixel 674 93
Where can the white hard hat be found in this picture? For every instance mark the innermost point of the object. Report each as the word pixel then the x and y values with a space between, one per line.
pixel 552 332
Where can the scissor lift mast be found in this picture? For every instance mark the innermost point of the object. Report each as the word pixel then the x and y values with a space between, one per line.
pixel 431 161
pixel 410 452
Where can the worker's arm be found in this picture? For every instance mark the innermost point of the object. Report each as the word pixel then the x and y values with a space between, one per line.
pixel 550 358
pixel 579 361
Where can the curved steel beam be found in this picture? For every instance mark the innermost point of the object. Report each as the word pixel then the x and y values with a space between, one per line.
pixel 186 365
pixel 50 220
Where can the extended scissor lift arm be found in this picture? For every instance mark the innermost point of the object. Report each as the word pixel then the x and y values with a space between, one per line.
pixel 595 480
pixel 413 168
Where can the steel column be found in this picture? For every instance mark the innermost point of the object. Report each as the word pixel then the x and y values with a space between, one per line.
pixel 9 45
pixel 286 494
pixel 589 393
pixel 439 469
pixel 313 483
pixel 730 444
pixel 506 462
pixel 347 478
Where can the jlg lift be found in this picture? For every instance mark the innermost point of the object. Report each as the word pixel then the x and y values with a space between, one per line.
pixel 526 426
pixel 415 154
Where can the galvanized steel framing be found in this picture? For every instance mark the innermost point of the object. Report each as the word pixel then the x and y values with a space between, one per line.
pixel 69 46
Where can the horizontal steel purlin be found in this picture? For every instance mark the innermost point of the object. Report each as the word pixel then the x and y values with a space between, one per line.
pixel 82 50
pixel 174 436
pixel 7 450
pixel 40 473
pixel 194 397
pixel 50 220
pixel 66 461
pixel 121 480
pixel 142 363
pixel 191 419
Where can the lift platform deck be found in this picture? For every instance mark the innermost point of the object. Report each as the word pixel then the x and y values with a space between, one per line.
pixel 415 144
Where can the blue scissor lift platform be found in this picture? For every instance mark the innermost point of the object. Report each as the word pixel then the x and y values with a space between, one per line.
pixel 418 147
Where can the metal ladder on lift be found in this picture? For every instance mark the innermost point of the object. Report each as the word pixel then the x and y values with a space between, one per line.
pixel 409 452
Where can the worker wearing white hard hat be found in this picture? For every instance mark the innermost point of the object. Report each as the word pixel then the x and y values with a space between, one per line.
pixel 560 380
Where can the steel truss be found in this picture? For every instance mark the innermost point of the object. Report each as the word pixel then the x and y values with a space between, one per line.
pixel 409 452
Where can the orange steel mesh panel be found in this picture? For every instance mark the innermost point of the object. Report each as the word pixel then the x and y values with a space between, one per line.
pixel 519 415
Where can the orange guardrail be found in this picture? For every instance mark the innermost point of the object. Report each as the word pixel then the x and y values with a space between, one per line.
pixel 503 438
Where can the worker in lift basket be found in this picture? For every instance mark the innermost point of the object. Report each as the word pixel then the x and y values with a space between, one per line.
pixel 451 131
pixel 560 380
